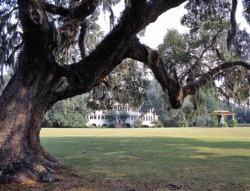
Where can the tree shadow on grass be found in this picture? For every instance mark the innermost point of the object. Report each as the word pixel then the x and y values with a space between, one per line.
pixel 150 163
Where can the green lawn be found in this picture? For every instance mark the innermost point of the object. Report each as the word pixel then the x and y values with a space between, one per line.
pixel 155 159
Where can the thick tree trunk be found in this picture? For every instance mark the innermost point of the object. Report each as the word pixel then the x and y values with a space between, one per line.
pixel 33 138
pixel 22 107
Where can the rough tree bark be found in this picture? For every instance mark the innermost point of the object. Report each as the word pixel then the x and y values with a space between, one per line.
pixel 40 81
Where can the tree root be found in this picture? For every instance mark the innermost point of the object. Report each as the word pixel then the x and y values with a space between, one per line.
pixel 37 173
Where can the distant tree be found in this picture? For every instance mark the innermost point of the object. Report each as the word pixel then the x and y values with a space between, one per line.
pixel 242 115
pixel 111 116
pixel 123 116
pixel 158 100
pixel 71 112
pixel 127 84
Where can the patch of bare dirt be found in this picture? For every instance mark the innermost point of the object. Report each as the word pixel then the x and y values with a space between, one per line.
pixel 66 181
pixel 70 181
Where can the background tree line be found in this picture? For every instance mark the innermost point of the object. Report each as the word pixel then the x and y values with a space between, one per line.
pixel 129 82
pixel 73 112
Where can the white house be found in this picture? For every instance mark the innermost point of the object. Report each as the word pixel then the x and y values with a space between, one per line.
pixel 99 118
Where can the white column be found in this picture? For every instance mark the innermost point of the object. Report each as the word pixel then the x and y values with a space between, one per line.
pixel 209 121
pixel 222 119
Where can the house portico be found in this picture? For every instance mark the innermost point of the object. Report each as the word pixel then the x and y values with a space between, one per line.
pixel 99 118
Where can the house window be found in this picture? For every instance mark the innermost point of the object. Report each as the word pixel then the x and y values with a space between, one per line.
pixel 94 116
pixel 102 116
pixel 98 116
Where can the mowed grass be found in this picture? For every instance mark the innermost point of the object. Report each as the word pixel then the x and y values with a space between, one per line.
pixel 154 158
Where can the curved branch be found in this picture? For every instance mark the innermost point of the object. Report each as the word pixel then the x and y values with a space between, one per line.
pixel 159 6
pixel 57 10
pixel 89 72
pixel 232 32
pixel 190 89
pixel 194 71
pixel 176 93
pixel 33 16
pixel 141 53
pixel 36 27
pixel 81 39
pixel 73 21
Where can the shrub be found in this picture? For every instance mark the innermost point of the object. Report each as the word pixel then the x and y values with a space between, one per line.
pixel 232 123
pixel 183 123
pixel 137 124
pixel 127 125
pixel 223 124
pixel 92 126
pixel 111 116
pixel 213 122
pixel 83 126
pixel 158 123
pixel 111 126
pixel 47 123
pixel 104 125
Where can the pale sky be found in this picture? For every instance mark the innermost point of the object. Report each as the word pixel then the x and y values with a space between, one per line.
pixel 170 20
pixel 156 31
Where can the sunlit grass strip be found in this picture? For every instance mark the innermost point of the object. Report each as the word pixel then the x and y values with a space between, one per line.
pixel 146 132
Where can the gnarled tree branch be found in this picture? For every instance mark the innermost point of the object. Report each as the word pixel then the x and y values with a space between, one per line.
pixel 190 89
pixel 232 32
pixel 176 92
pixel 53 9
pixel 73 21
pixel 35 24
pixel 112 50
pixel 81 39
pixel 194 71
pixel 140 52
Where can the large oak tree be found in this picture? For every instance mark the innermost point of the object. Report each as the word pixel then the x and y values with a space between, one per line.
pixel 40 79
